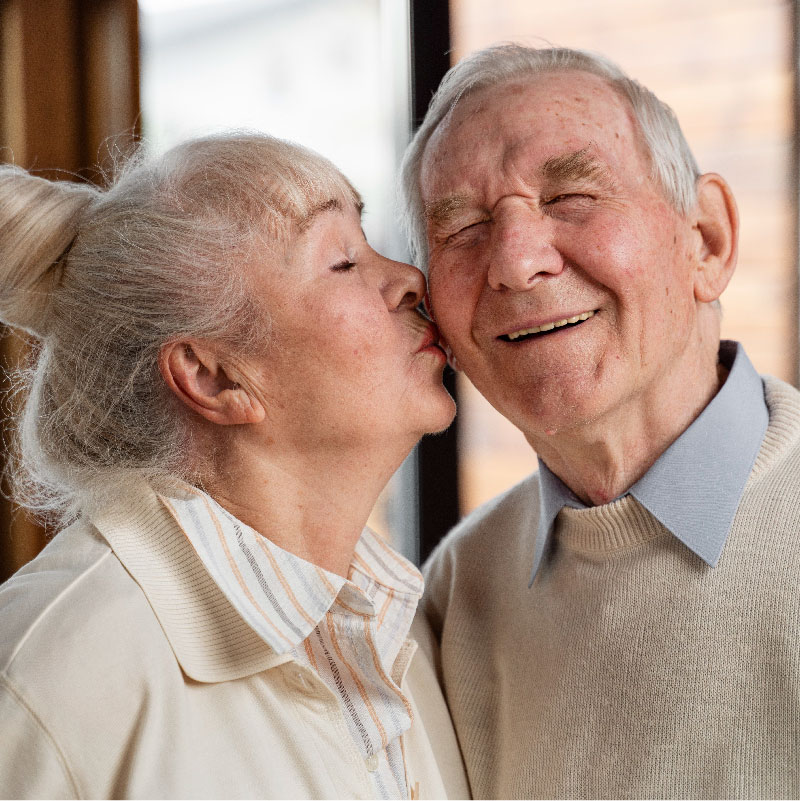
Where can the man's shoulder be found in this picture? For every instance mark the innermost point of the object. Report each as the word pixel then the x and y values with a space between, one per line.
pixel 780 448
pixel 783 402
pixel 498 529
pixel 515 508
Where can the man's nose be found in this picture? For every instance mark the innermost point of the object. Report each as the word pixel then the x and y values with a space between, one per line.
pixel 522 249
pixel 403 285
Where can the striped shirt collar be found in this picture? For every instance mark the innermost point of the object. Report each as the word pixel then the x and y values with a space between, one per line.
pixel 281 596
pixel 695 486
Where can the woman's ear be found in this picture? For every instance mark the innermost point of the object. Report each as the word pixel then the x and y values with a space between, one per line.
pixel 716 222
pixel 198 379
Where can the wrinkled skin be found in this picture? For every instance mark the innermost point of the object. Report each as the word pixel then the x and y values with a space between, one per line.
pixel 540 207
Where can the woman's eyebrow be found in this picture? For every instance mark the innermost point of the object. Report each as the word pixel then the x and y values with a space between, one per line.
pixel 332 204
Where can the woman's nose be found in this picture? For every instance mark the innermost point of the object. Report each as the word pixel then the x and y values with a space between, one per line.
pixel 404 285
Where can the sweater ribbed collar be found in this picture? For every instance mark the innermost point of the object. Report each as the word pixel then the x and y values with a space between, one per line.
pixel 695 486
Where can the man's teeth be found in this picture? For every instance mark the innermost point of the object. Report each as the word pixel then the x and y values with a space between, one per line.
pixel 578 318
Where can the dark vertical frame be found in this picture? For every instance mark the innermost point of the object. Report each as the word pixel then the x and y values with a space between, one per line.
pixel 437 456
pixel 430 52
pixel 795 184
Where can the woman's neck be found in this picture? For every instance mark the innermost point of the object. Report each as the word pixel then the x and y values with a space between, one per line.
pixel 313 505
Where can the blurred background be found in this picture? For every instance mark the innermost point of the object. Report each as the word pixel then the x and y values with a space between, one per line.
pixel 81 80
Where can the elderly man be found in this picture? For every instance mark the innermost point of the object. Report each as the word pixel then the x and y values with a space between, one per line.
pixel 625 622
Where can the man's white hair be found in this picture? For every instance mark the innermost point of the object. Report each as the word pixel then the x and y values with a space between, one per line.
pixel 672 162
pixel 103 278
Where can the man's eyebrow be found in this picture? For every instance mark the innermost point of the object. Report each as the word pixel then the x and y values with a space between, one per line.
pixel 441 211
pixel 579 165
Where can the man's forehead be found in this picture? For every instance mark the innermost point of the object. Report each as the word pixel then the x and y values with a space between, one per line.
pixel 546 91
pixel 556 94
pixel 501 125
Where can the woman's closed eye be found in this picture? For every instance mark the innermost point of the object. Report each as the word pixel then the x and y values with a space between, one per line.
pixel 343 266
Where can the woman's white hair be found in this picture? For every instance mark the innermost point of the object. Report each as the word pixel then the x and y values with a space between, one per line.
pixel 103 278
pixel 673 164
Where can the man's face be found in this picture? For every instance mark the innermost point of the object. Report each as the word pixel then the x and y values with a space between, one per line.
pixel 542 215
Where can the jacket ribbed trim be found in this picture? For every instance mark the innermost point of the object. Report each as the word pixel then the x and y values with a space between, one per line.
pixel 210 639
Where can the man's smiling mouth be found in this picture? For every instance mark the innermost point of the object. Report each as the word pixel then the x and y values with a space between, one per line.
pixel 526 333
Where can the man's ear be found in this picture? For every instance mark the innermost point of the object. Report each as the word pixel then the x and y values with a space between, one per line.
pixel 198 378
pixel 716 222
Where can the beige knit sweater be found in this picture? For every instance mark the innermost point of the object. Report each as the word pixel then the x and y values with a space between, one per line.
pixel 630 668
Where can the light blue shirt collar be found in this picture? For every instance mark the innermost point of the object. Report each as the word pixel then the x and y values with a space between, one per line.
pixel 695 486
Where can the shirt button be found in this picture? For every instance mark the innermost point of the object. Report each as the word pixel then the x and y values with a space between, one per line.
pixel 372 763
pixel 302 682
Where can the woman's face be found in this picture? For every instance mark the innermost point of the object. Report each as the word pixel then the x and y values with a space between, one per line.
pixel 350 360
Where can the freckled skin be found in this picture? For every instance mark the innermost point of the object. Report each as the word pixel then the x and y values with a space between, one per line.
pixel 601 400
pixel 317 422
pixel 342 368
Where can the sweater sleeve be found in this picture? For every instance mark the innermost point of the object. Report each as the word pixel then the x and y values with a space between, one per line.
pixel 31 763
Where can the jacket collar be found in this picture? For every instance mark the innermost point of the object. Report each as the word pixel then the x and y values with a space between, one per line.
pixel 212 634
pixel 284 597
pixel 210 639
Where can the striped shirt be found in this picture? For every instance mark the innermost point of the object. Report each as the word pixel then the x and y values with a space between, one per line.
pixel 350 632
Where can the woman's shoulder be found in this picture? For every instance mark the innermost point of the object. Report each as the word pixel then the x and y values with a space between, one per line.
pixel 82 655
pixel 72 615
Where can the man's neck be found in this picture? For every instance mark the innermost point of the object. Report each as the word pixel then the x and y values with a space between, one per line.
pixel 602 459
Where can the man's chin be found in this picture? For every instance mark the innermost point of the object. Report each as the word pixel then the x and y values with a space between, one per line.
pixel 544 407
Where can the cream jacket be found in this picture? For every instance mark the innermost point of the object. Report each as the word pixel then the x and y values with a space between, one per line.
pixel 125 673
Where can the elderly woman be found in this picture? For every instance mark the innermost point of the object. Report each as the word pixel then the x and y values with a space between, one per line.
pixel 226 377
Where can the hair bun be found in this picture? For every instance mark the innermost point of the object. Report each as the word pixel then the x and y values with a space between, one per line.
pixel 39 220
